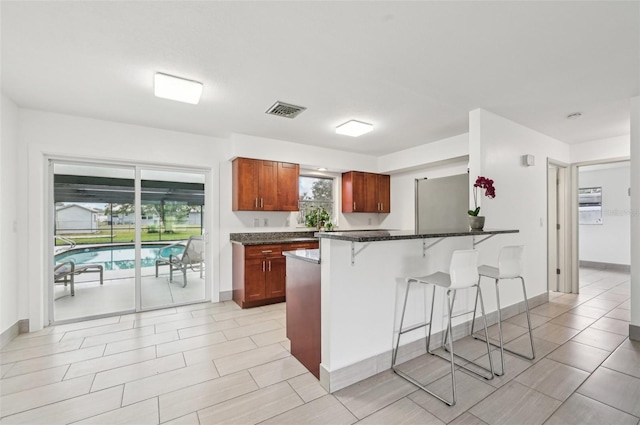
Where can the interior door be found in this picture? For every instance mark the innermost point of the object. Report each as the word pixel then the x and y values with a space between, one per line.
pixel 552 228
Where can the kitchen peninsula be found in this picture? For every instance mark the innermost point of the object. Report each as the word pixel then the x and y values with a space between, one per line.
pixel 362 284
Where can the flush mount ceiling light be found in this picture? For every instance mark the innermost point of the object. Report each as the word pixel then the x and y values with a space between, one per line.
pixel 574 116
pixel 175 88
pixel 354 128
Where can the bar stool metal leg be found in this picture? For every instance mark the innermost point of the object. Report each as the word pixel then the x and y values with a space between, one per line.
pixel 501 336
pixel 411 328
pixel 448 335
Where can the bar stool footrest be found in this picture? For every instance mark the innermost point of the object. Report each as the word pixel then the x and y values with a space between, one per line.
pixel 414 327
pixel 524 356
pixel 464 367
pixel 408 378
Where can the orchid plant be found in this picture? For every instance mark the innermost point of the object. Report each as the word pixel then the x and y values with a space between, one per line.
pixel 490 192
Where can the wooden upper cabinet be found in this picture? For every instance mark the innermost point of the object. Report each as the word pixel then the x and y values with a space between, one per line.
pixel 365 192
pixel 264 185
pixel 353 197
pixel 268 186
pixel 288 181
pixel 246 177
pixel 384 193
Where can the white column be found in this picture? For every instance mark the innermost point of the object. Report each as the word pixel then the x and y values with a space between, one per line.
pixel 634 327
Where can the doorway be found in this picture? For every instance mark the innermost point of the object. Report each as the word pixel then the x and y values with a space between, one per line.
pixel 125 239
pixel 604 226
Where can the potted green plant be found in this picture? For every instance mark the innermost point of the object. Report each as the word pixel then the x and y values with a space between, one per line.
pixel 317 217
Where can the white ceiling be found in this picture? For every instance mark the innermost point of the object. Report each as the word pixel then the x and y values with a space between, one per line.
pixel 413 69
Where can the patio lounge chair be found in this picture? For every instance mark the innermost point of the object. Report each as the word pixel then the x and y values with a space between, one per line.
pixel 66 272
pixel 192 258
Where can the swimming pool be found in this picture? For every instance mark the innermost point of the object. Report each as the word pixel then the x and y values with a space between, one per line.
pixel 118 257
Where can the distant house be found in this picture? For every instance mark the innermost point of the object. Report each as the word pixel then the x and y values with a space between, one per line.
pixel 76 219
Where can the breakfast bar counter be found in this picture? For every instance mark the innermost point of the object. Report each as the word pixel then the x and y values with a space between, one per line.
pixel 362 285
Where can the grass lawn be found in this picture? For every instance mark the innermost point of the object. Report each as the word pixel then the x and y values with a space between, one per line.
pixel 127 235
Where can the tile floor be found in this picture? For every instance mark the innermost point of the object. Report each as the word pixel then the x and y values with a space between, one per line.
pixel 217 364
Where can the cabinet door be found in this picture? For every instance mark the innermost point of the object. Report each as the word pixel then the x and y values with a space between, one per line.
pixel 384 193
pixel 288 180
pixel 371 203
pixel 245 184
pixel 268 186
pixel 353 192
pixel 254 279
pixel 275 277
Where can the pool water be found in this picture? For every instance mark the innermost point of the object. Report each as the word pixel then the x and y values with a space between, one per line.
pixel 118 257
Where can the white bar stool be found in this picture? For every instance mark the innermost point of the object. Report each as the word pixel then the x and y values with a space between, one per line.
pixel 463 274
pixel 509 267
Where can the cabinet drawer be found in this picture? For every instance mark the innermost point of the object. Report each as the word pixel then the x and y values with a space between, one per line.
pixel 300 245
pixel 260 251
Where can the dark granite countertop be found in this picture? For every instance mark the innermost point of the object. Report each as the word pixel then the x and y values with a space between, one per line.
pixel 390 235
pixel 308 255
pixel 267 238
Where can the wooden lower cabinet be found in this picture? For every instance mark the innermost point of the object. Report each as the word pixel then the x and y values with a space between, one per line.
pixel 259 272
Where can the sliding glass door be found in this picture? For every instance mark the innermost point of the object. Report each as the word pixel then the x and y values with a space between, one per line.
pixel 125 239
pixel 172 235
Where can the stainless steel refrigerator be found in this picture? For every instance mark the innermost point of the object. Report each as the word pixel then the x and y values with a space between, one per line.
pixel 442 203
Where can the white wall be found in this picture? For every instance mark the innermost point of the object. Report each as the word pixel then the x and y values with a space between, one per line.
pixel 496 146
pixel 610 241
pixel 12 308
pixel 445 150
pixel 600 149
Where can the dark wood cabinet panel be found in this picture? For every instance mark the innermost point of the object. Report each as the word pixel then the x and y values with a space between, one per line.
pixel 288 181
pixel 384 193
pixel 259 272
pixel 245 185
pixel 268 186
pixel 371 192
pixel 264 185
pixel 254 275
pixel 275 277
pixel 353 188
pixel 303 313
pixel 366 192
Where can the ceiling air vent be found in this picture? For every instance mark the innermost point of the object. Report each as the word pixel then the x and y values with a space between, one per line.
pixel 286 110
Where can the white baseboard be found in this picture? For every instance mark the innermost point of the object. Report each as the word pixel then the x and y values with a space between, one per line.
pixel 21 326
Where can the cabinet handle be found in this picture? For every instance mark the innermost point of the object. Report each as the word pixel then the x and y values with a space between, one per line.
pixel 354 205
pixel 263 266
pixel 269 265
pixel 267 251
pixel 256 202
pixel 261 202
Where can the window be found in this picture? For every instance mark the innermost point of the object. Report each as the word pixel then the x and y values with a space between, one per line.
pixel 314 192
pixel 590 205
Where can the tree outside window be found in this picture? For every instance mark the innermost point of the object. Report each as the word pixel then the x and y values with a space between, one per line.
pixel 314 192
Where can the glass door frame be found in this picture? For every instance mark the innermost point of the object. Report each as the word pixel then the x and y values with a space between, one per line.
pixel 137 167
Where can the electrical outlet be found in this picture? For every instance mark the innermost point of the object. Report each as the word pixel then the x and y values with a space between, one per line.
pixel 369 221
pixel 256 222
pixel 266 222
